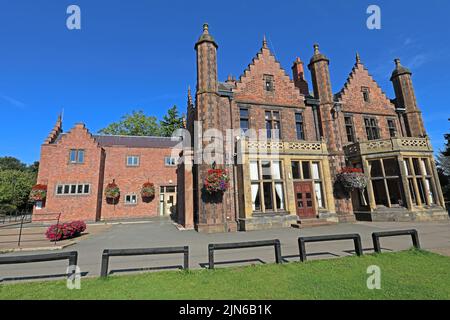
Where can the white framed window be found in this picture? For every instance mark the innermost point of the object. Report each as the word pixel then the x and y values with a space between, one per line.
pixel 170 161
pixel 76 156
pixel 38 205
pixel 131 199
pixel 133 161
pixel 267 186
pixel 73 189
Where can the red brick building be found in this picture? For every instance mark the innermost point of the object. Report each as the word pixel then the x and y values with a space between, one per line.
pixel 77 166
pixel 290 173
pixel 284 157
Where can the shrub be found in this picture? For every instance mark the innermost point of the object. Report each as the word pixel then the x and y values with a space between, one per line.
pixel 7 209
pixel 64 231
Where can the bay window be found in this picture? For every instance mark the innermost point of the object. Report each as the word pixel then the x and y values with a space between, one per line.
pixel 267 186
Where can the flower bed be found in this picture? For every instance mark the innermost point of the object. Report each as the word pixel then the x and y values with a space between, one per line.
pixel 148 190
pixel 217 180
pixel 58 232
pixel 38 193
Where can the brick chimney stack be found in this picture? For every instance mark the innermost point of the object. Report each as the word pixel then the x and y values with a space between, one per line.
pixel 299 77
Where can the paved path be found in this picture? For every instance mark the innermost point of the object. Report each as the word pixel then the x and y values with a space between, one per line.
pixel 33 238
pixel 161 233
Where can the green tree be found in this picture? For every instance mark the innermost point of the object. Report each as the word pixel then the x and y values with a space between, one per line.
pixel 134 124
pixel 443 167
pixel 15 187
pixel 34 168
pixel 171 121
pixel 11 163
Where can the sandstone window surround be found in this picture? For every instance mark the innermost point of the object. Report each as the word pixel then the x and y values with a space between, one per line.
pixel 76 156
pixel 267 186
pixel 420 181
pixel 244 120
pixel 372 130
pixel 310 170
pixel 386 182
pixel 392 127
pixel 133 161
pixel 269 83
pixel 273 124
pixel 73 189
pixel 366 94
pixel 349 128
pixel 299 126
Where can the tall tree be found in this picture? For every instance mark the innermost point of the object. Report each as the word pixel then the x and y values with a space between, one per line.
pixel 171 122
pixel 134 124
pixel 11 163
pixel 15 188
pixel 443 166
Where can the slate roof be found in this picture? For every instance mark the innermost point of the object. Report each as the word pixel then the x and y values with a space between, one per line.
pixel 134 141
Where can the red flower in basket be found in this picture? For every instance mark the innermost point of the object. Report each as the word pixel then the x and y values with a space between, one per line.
pixel 217 180
pixel 112 191
pixel 38 192
pixel 148 190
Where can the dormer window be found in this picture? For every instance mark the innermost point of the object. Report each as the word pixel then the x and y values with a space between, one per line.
pixel 268 83
pixel 366 94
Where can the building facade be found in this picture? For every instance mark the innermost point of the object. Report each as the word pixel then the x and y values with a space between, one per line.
pixel 282 142
pixel 77 166
pixel 287 173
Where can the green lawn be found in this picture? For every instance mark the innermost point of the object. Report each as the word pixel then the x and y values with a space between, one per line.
pixel 409 274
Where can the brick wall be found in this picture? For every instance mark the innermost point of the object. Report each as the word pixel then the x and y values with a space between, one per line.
pixel 55 169
pixel 378 106
pixel 130 179
pixel 100 167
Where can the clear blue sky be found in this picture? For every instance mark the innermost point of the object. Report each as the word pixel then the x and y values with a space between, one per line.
pixel 139 55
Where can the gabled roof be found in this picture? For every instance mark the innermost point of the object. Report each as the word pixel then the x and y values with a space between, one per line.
pixel 265 63
pixel 360 76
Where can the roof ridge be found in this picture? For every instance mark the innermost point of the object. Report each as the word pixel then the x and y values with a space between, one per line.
pixel 129 136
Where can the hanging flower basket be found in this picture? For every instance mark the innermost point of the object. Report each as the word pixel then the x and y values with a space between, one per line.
pixel 352 178
pixel 217 180
pixel 38 193
pixel 112 191
pixel 148 190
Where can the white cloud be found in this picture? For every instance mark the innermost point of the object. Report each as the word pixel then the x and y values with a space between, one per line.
pixel 14 102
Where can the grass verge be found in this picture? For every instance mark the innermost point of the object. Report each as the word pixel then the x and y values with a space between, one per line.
pixel 412 274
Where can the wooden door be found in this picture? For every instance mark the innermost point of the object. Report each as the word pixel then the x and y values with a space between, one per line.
pixel 304 199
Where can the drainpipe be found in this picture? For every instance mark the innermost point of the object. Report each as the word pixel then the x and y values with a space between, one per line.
pixel 236 192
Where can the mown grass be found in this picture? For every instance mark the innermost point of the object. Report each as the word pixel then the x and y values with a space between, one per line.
pixel 412 274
